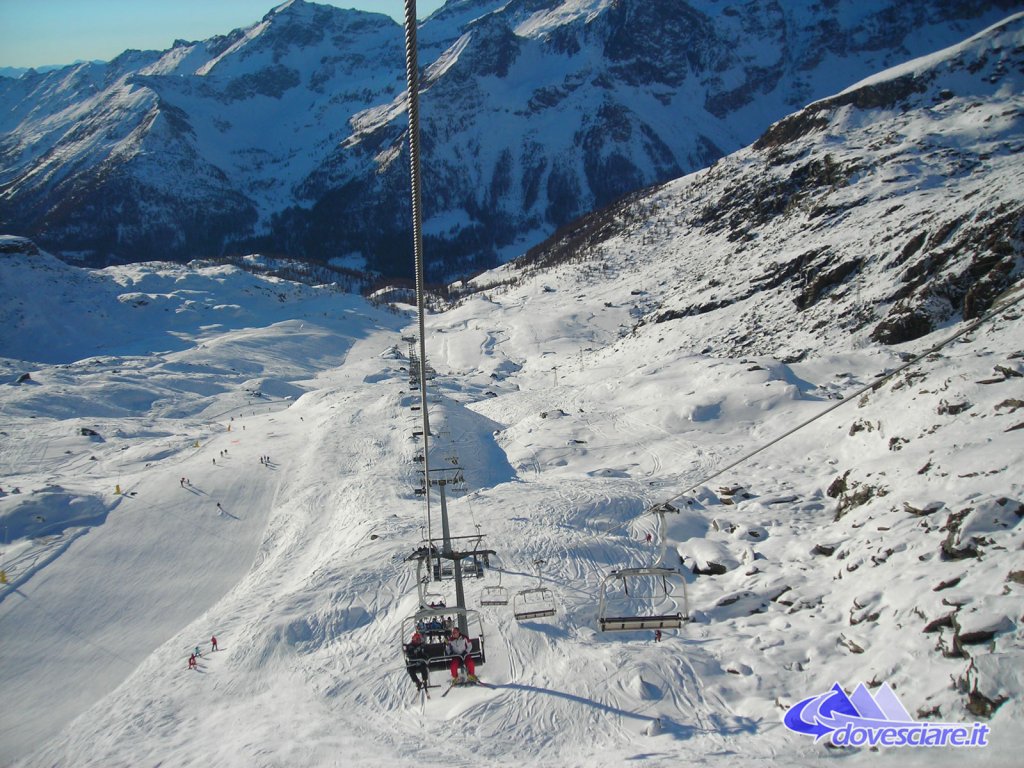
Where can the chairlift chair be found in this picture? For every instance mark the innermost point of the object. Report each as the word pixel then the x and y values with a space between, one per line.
pixel 432 599
pixel 535 603
pixel 641 598
pixel 431 623
pixel 436 623
pixel 494 594
pixel 644 598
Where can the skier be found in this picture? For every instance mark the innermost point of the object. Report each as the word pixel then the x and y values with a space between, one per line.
pixel 460 647
pixel 416 660
pixel 192 662
pixel 213 643
pixel 657 635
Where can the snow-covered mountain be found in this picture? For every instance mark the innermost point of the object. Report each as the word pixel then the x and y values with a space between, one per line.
pixel 655 352
pixel 287 136
pixel 881 163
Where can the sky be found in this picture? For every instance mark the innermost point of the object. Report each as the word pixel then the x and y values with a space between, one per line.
pixel 35 33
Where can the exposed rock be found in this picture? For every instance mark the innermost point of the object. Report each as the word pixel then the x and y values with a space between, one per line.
pixel 903 323
pixel 838 486
pixel 850 645
pixel 947 584
pixel 980 705
pixel 934 506
pixel 11 246
pixel 943 622
pixel 984 682
pixel 857 495
pixel 952 409
pixel 709 569
pixel 860 425
pixel 949 551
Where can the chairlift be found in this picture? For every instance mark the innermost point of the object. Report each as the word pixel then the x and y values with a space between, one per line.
pixel 641 598
pixel 473 562
pixel 535 603
pixel 644 598
pixel 435 624
pixel 494 594
pixel 432 600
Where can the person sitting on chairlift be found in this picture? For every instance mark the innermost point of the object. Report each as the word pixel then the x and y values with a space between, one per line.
pixel 460 647
pixel 416 660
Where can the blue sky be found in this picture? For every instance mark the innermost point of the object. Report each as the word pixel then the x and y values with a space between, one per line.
pixel 41 32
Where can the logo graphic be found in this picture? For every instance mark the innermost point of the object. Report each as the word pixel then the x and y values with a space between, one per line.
pixel 862 719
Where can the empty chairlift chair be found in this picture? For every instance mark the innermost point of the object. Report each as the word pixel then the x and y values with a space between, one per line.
pixel 535 603
pixel 644 598
pixel 494 594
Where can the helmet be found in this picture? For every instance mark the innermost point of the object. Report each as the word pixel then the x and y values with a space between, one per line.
pixel 417 637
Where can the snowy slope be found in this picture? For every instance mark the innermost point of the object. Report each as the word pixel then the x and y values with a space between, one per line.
pixel 625 364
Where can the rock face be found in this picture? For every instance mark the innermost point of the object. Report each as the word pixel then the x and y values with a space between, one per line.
pixel 878 214
pixel 288 136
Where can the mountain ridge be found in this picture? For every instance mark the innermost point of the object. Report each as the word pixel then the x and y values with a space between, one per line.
pixel 542 112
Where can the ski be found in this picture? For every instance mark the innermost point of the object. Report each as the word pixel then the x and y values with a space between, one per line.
pixel 424 690
pixel 465 684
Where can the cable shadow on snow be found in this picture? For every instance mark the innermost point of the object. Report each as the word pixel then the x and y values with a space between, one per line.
pixel 678 731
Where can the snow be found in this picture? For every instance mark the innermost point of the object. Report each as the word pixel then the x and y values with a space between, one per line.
pixel 301 576
pixel 859 550
pixel 545 21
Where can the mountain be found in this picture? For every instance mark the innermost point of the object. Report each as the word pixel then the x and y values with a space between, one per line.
pixel 16 72
pixel 877 215
pixel 288 136
pixel 849 504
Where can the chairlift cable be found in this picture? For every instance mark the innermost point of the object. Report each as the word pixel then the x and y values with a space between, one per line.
pixel 996 310
pixel 466 618
pixel 1001 305
pixel 416 190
